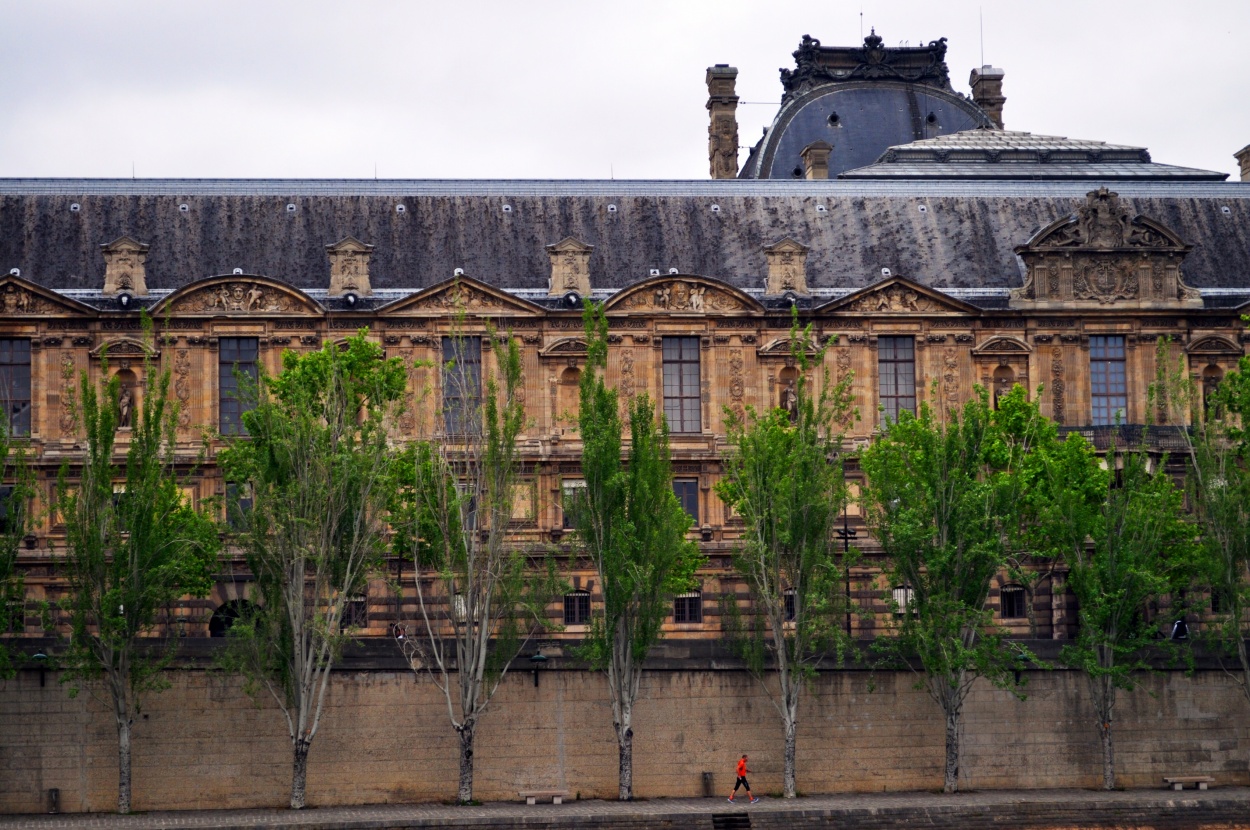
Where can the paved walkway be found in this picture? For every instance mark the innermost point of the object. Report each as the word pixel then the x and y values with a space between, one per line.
pixel 1228 806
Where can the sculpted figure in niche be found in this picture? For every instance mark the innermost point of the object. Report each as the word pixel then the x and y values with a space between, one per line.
pixel 125 403
pixel 790 399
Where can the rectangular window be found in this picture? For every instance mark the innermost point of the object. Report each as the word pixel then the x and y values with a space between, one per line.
pixel 355 614
pixel 1011 602
pixel 10 512
pixel 577 608
pixel 687 492
pixel 15 383
pixel 236 382
pixel 238 505
pixel 688 607
pixel 569 488
pixel 903 596
pixel 896 368
pixel 1108 385
pixel 792 606
pixel 682 398
pixel 462 385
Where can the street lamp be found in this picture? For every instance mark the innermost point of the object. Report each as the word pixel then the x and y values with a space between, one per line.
pixel 846 534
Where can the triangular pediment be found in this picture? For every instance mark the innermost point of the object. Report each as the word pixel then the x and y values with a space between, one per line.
pixel 1214 344
pixel 1002 344
pixel 349 243
pixel 787 246
pixel 682 294
pixel 125 243
pixel 1104 223
pixel 124 347
pixel 19 298
pixel 237 295
pixel 898 295
pixel 565 347
pixel 780 347
pixel 569 244
pixel 461 293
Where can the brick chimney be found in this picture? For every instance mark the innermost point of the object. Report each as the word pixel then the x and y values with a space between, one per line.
pixel 722 131
pixel 987 92
pixel 816 160
pixel 1243 158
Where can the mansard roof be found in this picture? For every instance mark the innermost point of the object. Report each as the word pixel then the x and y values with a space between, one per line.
pixel 944 234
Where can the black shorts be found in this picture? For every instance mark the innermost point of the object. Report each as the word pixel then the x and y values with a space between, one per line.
pixel 742 782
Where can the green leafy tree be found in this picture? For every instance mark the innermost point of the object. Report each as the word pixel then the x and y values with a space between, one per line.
pixel 134 544
pixel 939 496
pixel 634 531
pixel 783 475
pixel 451 513
pixel 18 484
pixel 320 470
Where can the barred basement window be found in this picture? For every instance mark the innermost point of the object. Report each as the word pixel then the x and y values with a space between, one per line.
pixel 355 613
pixel 1011 602
pixel 688 607
pixel 682 398
pixel 791 600
pixel 577 608
pixel 903 596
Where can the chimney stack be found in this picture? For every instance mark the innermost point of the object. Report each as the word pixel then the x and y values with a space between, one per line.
pixel 722 131
pixel 816 160
pixel 1243 158
pixel 987 92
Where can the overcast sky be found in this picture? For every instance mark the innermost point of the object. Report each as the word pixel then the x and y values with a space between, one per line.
pixel 577 89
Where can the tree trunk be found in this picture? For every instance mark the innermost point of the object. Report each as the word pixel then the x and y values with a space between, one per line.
pixel 465 794
pixel 626 744
pixel 1108 756
pixel 789 788
pixel 299 774
pixel 123 765
pixel 951 782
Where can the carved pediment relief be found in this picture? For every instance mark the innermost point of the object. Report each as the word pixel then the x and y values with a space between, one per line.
pixel 124 347
pixel 237 295
pixel 1214 344
pixel 1103 255
pixel 349 267
pixel 898 295
pixel 570 267
pixel 779 347
pixel 19 297
pixel 565 347
pixel 124 266
pixel 679 293
pixel 462 294
pixel 787 267
pixel 1003 346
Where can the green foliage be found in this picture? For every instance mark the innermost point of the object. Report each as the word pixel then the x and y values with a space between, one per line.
pixel 15 473
pixel 134 542
pixel 783 476
pixel 942 498
pixel 627 516
pixel 319 467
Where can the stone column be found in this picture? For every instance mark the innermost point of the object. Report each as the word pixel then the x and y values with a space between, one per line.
pixel 722 131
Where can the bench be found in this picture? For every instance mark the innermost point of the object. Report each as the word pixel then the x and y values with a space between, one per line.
pixel 1178 782
pixel 556 796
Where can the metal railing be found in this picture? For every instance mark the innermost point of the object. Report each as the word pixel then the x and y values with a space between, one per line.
pixel 1132 436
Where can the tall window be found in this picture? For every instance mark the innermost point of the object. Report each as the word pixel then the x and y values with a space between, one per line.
pixel 236 365
pixel 462 384
pixel 238 505
pixel 570 489
pixel 687 492
pixel 15 383
pixel 681 384
pixel 896 367
pixel 1107 385
pixel 688 607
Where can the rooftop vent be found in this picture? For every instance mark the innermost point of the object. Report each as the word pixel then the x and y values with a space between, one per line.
pixel 885 272
pixel 715 208
pixel 673 271
pixel 611 208
pixel 923 208
pixel 75 207
pixel 238 271
pixel 507 208
pixel 655 272
pixel 821 209
pixel 459 272
pixel 401 208
pixel 15 272
pixel 1226 210
pixel 834 119
pixel 184 207
pixel 290 208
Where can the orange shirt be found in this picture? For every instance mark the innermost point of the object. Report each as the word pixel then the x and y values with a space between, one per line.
pixel 742 767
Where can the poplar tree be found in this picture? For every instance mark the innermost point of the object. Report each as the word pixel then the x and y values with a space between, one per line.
pixel 16 478
pixel 133 544
pixel 940 496
pixel 783 476
pixel 318 465
pixel 486 597
pixel 634 531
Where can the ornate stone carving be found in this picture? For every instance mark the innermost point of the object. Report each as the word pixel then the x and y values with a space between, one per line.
pixel 1104 280
pixel 124 267
pixel 737 385
pixel 1057 384
pixel 68 421
pixel 681 295
pixel 842 371
pixel 570 267
pixel 628 381
pixel 950 375
pixel 237 298
pixel 182 386
pixel 408 416
pixel 349 267
pixel 17 300
pixel 815 64
pixel 895 298
pixel 459 296
pixel 787 267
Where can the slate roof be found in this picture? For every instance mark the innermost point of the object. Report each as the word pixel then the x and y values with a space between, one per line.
pixel 1005 154
pixel 946 234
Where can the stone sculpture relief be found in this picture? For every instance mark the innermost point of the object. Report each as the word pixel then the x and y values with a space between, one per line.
pixel 679 295
pixel 238 298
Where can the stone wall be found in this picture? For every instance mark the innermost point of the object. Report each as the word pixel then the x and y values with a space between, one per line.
pixel 385 738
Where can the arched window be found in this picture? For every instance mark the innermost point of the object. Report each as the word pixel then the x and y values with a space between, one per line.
pixel 226 615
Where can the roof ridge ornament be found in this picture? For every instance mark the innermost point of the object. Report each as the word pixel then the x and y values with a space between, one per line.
pixel 816 65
